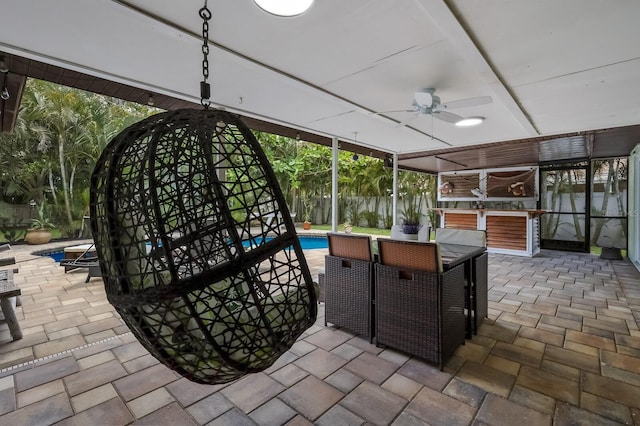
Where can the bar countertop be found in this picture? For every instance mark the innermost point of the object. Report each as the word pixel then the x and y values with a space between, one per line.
pixel 532 213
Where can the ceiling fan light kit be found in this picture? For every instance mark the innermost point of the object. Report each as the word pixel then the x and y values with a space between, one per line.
pixel 469 122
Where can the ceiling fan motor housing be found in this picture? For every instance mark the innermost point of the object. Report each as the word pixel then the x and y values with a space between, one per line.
pixel 425 98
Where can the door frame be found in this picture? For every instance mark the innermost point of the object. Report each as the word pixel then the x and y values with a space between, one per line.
pixel 577 246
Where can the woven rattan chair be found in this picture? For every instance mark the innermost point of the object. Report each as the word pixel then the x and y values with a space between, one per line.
pixel 478 298
pixel 349 283
pixel 173 200
pixel 419 308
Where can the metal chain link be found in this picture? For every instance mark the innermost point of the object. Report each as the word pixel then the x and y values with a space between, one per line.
pixel 205 88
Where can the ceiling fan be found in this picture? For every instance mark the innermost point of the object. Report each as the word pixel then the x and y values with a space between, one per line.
pixel 425 102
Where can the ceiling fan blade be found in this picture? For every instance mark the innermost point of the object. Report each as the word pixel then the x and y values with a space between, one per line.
pixel 449 117
pixel 409 120
pixel 466 103
pixel 397 110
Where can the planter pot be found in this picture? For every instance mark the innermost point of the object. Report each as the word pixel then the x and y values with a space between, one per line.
pixel 411 228
pixel 611 253
pixel 306 225
pixel 38 237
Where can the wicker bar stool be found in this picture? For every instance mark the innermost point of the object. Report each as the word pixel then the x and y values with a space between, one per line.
pixel 349 295
pixel 419 308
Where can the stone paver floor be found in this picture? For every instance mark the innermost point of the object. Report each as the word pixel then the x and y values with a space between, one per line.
pixel 561 346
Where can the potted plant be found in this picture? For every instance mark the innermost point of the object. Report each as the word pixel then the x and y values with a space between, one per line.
pixel 40 231
pixel 306 215
pixel 411 220
pixel 347 227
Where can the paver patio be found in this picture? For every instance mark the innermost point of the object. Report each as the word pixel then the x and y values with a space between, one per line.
pixel 561 346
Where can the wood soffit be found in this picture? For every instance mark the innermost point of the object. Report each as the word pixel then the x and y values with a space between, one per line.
pixel 571 146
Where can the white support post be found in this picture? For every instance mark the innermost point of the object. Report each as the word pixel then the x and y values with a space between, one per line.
pixel 395 189
pixel 334 185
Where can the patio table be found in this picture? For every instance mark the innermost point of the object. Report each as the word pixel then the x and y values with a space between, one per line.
pixel 8 292
pixel 474 259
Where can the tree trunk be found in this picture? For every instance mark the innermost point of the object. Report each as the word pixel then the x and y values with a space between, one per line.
pixel 63 177
pixel 616 186
pixel 72 178
pixel 552 228
pixel 605 202
pixel 52 187
pixel 572 199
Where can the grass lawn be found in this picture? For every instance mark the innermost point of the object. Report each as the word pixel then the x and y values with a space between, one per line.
pixel 598 251
pixel 356 230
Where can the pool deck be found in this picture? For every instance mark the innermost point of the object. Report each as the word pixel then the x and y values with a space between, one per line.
pixel 561 346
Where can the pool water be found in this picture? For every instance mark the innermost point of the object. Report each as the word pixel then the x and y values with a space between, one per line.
pixel 307 243
pixel 310 243
pixel 57 256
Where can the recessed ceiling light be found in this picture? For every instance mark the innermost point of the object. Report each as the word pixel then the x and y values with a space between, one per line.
pixel 284 7
pixel 469 121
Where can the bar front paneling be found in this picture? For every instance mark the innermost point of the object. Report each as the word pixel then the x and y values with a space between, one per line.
pixel 508 231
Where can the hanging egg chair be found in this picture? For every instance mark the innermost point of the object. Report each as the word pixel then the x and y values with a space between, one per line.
pixel 197 247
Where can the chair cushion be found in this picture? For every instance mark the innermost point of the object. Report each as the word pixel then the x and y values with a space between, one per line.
pixel 424 234
pixel 350 246
pixel 414 255
pixel 396 232
pixel 463 237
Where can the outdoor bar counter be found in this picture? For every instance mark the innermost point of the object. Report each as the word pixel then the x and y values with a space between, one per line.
pixel 514 232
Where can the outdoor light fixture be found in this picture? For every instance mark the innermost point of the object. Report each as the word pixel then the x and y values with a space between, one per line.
pixel 469 121
pixel 4 66
pixel 355 142
pixel 5 92
pixel 150 101
pixel 284 7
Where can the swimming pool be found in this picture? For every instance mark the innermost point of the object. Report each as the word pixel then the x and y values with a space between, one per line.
pixel 310 243
pixel 57 255
pixel 307 242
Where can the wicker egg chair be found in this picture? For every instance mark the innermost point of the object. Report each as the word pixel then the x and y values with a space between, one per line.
pixel 206 284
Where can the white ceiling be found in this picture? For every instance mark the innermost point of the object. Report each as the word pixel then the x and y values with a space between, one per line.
pixel 551 67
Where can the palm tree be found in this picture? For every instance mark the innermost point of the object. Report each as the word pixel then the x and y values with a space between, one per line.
pixel 58 136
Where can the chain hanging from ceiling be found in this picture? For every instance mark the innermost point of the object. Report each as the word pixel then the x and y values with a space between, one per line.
pixel 205 87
